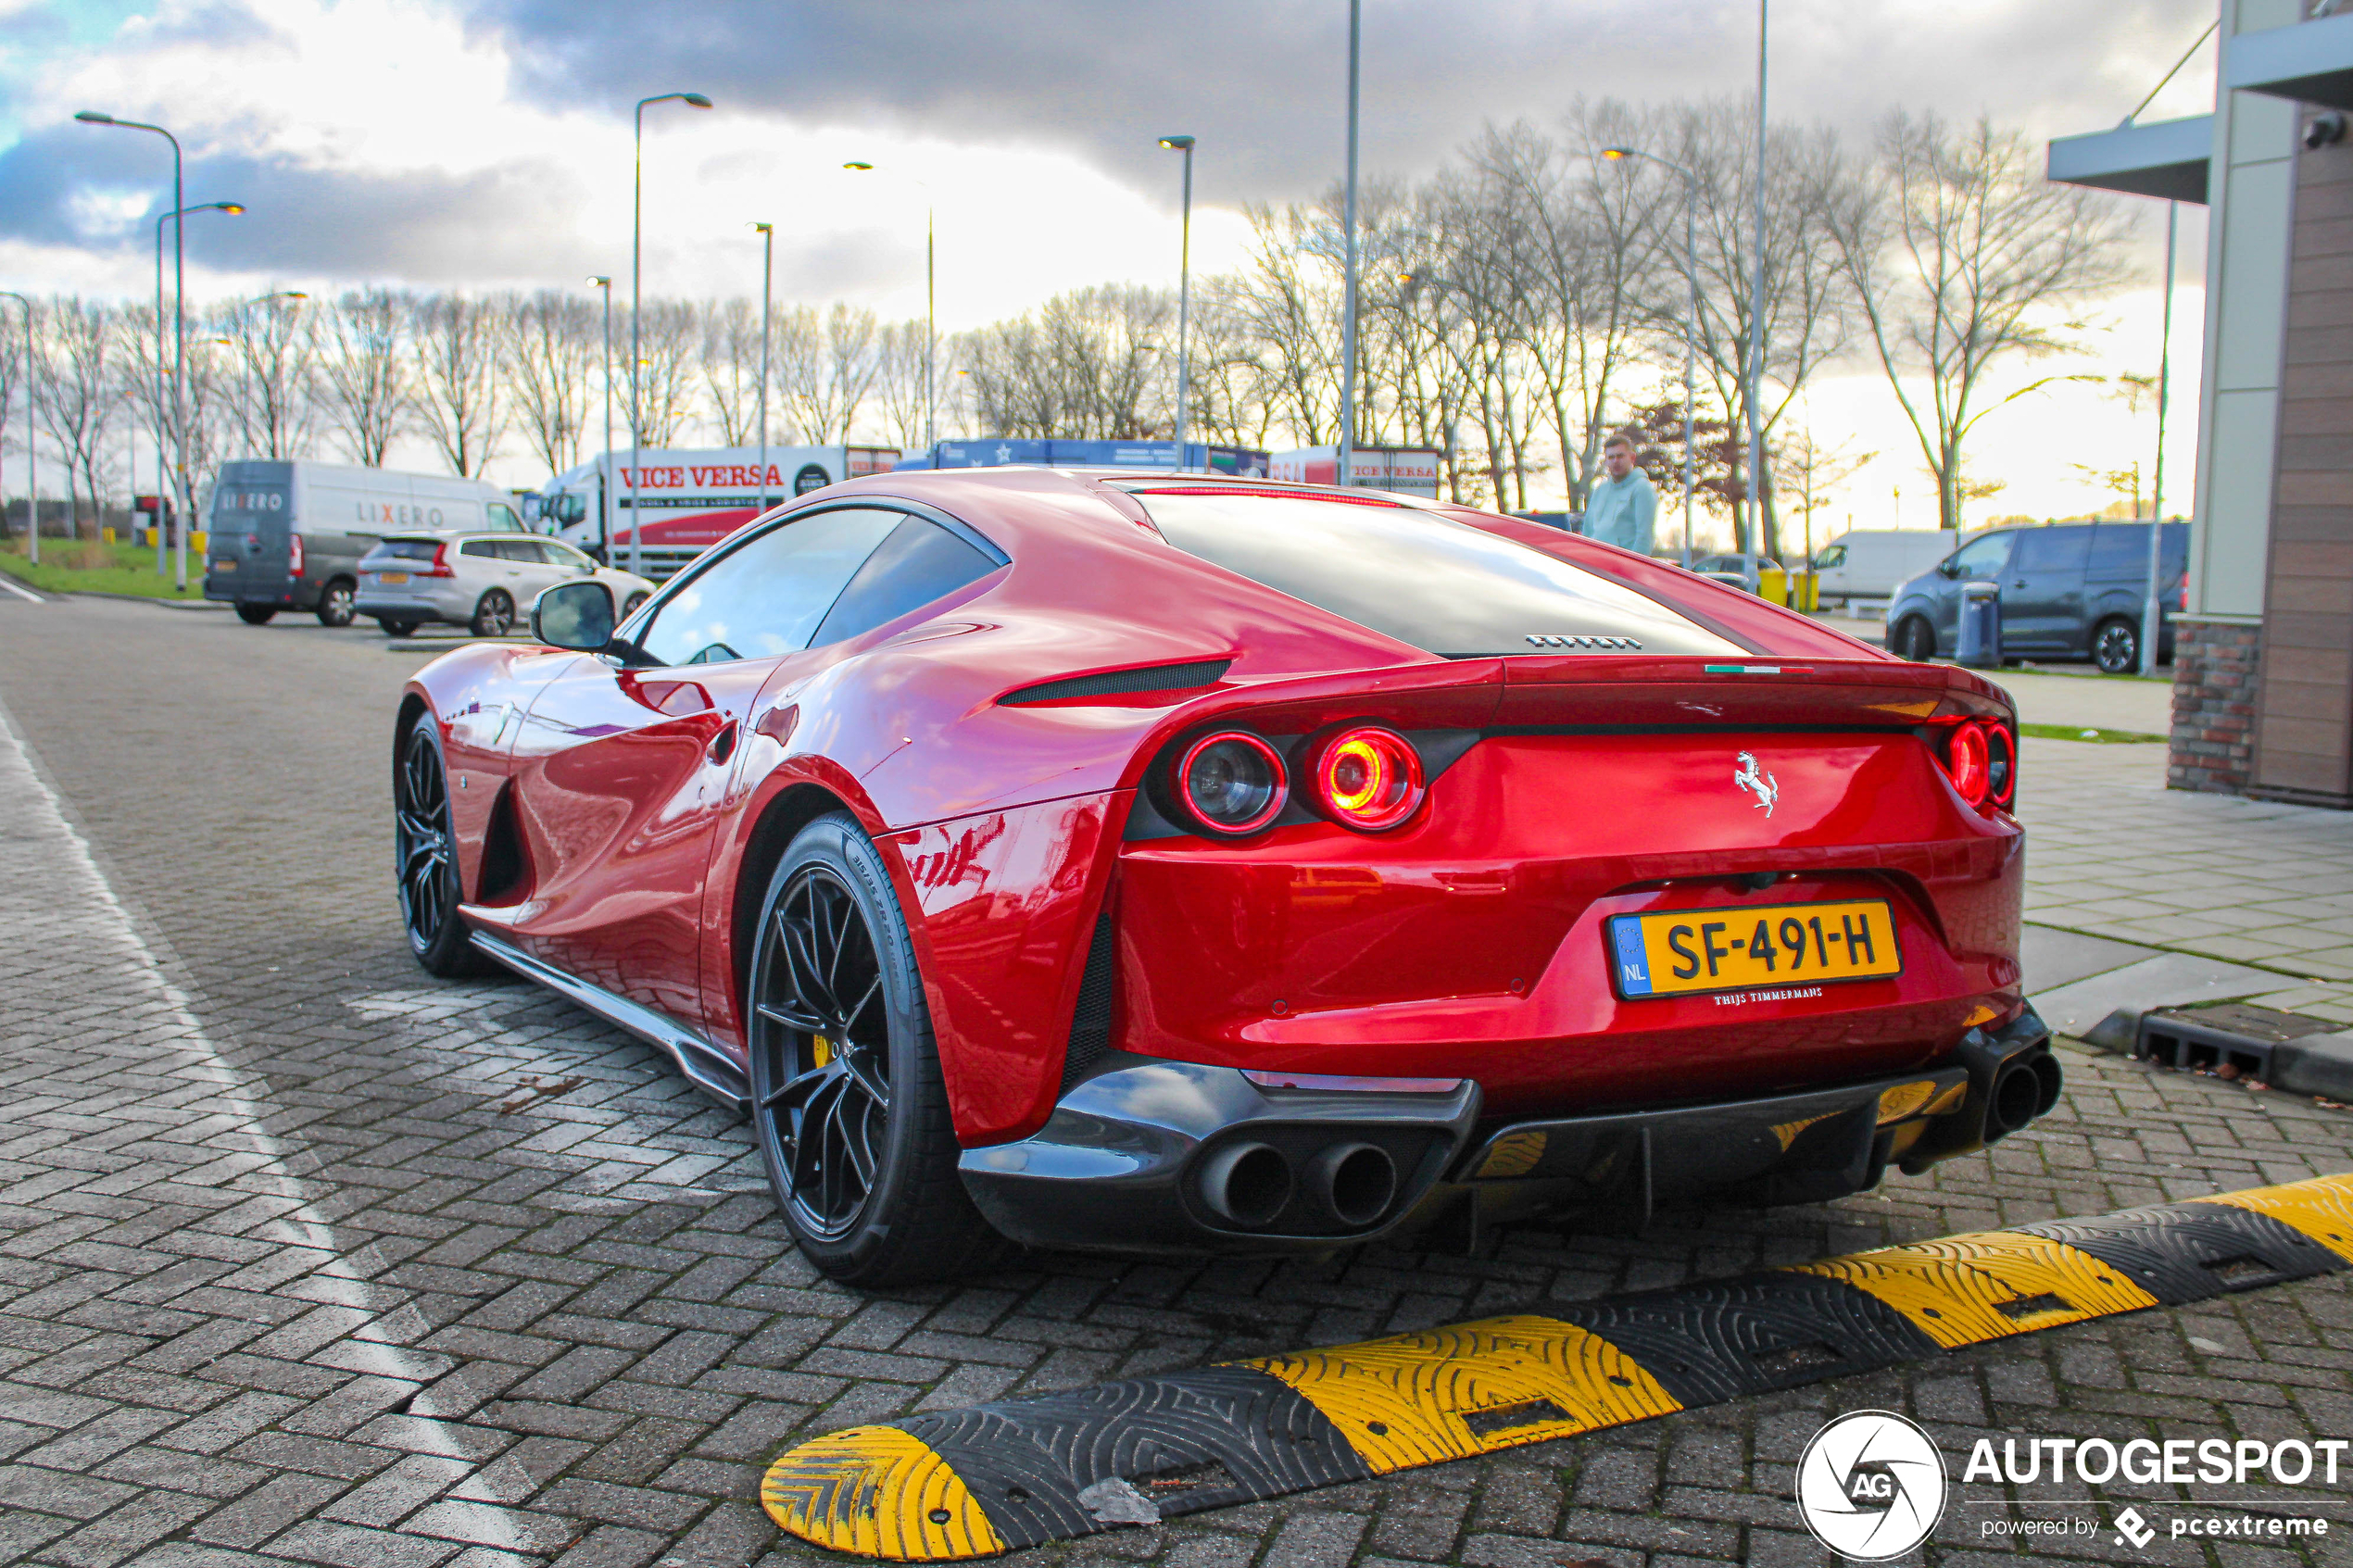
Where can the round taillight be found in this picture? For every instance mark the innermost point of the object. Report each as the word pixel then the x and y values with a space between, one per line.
pixel 1368 778
pixel 2001 765
pixel 1968 761
pixel 1232 782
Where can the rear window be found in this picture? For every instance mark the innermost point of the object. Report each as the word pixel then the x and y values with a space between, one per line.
pixel 404 549
pixel 1440 585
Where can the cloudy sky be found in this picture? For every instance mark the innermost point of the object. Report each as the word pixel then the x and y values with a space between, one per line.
pixel 486 142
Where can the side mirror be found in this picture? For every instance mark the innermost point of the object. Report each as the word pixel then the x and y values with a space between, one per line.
pixel 573 615
pixel 1948 568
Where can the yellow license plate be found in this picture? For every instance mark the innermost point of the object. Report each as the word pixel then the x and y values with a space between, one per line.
pixel 392 579
pixel 1728 948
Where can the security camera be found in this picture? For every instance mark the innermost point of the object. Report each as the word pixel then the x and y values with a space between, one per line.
pixel 2325 129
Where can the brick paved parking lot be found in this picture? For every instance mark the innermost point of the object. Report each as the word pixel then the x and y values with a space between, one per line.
pixel 305 1257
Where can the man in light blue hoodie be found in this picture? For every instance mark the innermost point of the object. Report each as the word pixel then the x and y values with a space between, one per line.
pixel 1623 509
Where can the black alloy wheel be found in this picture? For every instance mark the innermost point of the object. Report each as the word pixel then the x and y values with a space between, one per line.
pixel 848 1107
pixel 1914 640
pixel 425 856
pixel 635 602
pixel 335 603
pixel 495 616
pixel 256 615
pixel 2116 647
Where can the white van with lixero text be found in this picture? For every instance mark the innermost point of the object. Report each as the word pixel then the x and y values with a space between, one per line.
pixel 289 535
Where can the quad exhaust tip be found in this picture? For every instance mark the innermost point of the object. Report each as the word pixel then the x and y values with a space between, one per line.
pixel 1353 1183
pixel 1250 1184
pixel 2022 1091
pixel 1247 1183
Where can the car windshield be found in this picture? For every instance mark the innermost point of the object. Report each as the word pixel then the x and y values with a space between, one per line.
pixel 1440 585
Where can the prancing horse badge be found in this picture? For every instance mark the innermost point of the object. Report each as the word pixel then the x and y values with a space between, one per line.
pixel 1764 786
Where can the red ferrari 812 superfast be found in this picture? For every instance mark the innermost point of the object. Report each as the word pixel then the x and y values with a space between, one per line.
pixel 1175 863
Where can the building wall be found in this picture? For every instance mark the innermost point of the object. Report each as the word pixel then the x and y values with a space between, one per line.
pixel 2303 725
pixel 2250 188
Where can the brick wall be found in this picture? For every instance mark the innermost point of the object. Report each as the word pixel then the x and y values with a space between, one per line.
pixel 2215 664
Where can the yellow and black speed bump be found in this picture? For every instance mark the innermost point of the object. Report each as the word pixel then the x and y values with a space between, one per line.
pixel 1013 1472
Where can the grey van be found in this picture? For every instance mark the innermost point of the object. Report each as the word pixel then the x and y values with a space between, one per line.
pixel 289 535
pixel 2074 590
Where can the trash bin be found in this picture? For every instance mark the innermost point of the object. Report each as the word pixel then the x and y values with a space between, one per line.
pixel 1978 643
pixel 1772 586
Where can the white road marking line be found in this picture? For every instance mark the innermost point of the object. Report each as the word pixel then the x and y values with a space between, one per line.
pixel 46 846
pixel 19 589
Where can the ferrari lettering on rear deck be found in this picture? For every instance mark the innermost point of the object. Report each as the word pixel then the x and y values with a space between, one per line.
pixel 1685 952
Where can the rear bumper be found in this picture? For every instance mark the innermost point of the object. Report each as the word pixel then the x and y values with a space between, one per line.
pixel 1147 1158
pixel 288 594
pixel 411 605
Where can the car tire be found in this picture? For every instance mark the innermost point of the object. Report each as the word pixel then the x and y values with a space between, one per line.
pixel 635 603
pixel 2116 646
pixel 394 626
pixel 849 1106
pixel 424 857
pixel 1914 639
pixel 494 615
pixel 335 601
pixel 256 615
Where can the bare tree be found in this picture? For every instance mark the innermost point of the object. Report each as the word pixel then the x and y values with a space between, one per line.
pixel 272 391
pixel 364 373
pixel 1287 301
pixel 899 383
pixel 729 359
pixel 1963 258
pixel 827 367
pixel 668 339
pixel 83 382
pixel 1578 247
pixel 1807 471
pixel 455 342
pixel 553 342
pixel 1807 299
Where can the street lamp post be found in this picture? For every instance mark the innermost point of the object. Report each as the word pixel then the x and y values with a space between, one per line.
pixel 32 435
pixel 604 467
pixel 931 305
pixel 1756 332
pixel 1184 294
pixel 767 279
pixel 179 325
pixel 234 210
pixel 1691 312
pixel 1348 308
pixel 2152 618
pixel 637 247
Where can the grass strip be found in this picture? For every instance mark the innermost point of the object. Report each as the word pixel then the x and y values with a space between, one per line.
pixel 2090 737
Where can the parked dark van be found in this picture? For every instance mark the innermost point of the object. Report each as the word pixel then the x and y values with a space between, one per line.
pixel 2074 590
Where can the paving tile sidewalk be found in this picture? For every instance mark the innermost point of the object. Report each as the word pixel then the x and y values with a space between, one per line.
pixel 2112 853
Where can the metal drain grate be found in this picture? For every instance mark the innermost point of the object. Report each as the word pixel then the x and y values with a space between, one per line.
pixel 2234 1035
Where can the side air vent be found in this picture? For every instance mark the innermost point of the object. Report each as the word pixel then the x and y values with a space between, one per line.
pixel 1091 1023
pixel 1119 682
